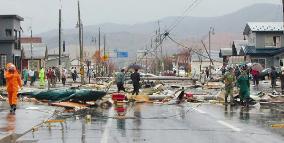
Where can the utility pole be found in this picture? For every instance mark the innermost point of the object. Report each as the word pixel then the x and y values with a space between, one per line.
pixel 160 44
pixel 104 45
pixel 80 44
pixel 59 43
pixel 156 52
pixel 211 31
pixel 146 58
pixel 105 68
pixel 31 42
pixel 82 32
pixel 99 62
pixel 283 14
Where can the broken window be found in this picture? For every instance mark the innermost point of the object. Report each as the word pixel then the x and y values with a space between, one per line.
pixel 8 32
pixel 16 34
pixel 273 41
pixel 276 41
pixel 19 40
pixel 15 45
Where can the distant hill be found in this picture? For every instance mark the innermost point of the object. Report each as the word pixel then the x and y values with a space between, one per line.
pixel 190 30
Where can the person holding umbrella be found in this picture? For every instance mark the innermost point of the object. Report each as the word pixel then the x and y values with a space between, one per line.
pixel 273 76
pixel 135 77
pixel 255 72
pixel 255 76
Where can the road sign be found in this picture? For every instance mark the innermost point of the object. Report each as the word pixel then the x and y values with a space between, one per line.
pixel 122 54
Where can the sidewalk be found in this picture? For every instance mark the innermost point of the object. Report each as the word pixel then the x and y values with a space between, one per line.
pixel 27 116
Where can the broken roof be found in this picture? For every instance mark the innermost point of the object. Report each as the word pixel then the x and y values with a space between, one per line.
pixel 263 27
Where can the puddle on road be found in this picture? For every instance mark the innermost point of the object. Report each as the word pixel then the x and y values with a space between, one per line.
pixel 78 130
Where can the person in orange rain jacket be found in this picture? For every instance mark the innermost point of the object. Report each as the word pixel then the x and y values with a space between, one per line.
pixel 13 83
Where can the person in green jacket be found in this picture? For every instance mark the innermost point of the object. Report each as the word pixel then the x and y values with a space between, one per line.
pixel 244 85
pixel 41 78
pixel 25 76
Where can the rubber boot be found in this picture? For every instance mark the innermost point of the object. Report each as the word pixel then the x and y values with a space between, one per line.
pixel 11 109
pixel 14 107
pixel 232 101
pixel 226 100
pixel 247 103
pixel 241 102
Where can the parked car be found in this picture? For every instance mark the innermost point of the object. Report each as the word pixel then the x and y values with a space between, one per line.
pixel 266 73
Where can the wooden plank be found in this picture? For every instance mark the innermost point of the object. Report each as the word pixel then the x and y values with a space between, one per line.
pixel 279 126
pixel 55 121
pixel 70 105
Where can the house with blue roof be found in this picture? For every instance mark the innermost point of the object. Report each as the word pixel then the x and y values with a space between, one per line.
pixel 264 43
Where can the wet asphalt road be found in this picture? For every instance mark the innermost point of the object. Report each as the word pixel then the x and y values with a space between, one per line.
pixel 154 123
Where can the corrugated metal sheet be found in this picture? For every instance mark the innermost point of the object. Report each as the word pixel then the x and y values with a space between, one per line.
pixel 265 26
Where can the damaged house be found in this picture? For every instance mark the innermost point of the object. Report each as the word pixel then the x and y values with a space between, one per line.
pixel 265 43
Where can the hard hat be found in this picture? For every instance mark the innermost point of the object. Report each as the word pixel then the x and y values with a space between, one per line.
pixel 11 66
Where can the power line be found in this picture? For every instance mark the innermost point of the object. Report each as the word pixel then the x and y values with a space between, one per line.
pixel 185 13
pixel 176 22
pixel 182 45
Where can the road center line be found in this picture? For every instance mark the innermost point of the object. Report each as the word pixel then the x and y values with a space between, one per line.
pixel 198 110
pixel 229 126
pixel 107 128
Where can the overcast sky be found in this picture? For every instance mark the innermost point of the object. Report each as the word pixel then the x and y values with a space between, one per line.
pixel 43 14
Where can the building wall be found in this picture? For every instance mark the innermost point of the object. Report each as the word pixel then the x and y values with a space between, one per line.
pixel 251 38
pixel 54 62
pixel 277 59
pixel 6 24
pixel 269 61
pixel 8 43
pixel 6 49
pixel 260 38
pixel 9 24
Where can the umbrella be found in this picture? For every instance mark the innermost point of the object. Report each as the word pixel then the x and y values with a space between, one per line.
pixel 134 66
pixel 257 67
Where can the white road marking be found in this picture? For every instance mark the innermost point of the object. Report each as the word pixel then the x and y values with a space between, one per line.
pixel 107 128
pixel 198 110
pixel 229 126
